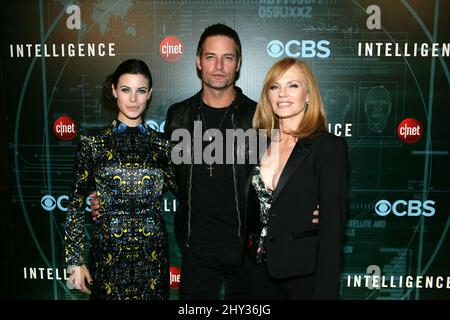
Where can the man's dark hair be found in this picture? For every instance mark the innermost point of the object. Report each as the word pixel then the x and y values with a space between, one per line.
pixel 219 29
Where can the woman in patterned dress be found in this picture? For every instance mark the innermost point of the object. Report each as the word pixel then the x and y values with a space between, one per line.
pixel 129 165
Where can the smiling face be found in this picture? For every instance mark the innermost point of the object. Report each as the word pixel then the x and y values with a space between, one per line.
pixel 132 93
pixel 218 62
pixel 288 94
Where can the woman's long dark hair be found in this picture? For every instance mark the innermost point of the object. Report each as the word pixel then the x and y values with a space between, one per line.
pixel 132 66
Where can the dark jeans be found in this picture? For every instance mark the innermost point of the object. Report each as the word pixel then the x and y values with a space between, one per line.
pixel 205 267
pixel 264 287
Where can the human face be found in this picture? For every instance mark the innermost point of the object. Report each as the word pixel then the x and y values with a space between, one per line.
pixel 288 94
pixel 132 94
pixel 218 63
pixel 377 109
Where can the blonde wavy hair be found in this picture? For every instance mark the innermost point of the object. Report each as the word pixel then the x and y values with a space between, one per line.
pixel 314 119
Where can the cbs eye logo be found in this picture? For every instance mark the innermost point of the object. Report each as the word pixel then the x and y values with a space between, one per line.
pixel 400 208
pixel 155 126
pixel 297 48
pixel 49 203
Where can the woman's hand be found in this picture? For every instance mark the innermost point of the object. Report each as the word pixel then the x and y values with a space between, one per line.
pixel 315 219
pixel 94 205
pixel 77 278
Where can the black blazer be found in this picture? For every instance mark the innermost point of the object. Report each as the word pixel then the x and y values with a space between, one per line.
pixel 315 173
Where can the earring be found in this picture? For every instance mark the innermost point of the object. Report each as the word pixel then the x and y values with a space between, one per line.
pixel 305 106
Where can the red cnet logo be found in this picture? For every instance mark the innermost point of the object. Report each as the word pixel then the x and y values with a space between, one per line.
pixel 174 277
pixel 65 128
pixel 410 130
pixel 171 49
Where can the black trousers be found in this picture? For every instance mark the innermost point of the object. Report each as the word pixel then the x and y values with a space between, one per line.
pixel 264 287
pixel 206 267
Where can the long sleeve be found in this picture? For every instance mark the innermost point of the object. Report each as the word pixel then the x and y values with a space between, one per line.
pixel 82 183
pixel 169 171
pixel 333 206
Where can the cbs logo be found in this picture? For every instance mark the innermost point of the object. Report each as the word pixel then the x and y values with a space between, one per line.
pixel 49 203
pixel 155 126
pixel 411 208
pixel 296 48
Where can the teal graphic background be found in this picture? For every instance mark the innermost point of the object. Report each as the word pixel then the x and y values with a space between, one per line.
pixel 36 91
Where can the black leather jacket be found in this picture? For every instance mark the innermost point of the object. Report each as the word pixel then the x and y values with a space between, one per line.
pixel 183 115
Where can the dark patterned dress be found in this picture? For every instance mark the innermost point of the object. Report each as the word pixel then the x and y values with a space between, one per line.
pixel 265 200
pixel 130 168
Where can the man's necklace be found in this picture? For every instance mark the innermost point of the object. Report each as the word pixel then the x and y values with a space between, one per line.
pixel 210 138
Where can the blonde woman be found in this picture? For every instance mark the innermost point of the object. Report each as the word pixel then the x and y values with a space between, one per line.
pixel 303 167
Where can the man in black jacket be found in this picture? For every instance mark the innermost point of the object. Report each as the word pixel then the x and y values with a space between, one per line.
pixel 210 221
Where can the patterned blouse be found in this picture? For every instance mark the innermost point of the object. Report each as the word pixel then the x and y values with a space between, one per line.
pixel 265 200
pixel 130 168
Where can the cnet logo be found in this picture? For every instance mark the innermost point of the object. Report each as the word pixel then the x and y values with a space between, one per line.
pixel 171 49
pixel 411 208
pixel 296 48
pixel 409 130
pixel 65 128
pixel 174 277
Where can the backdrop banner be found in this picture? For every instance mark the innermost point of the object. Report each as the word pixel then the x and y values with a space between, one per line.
pixel 382 70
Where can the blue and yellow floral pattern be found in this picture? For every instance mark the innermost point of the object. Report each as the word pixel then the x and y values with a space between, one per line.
pixel 130 168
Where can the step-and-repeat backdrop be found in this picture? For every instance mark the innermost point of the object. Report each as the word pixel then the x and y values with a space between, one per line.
pixel 382 68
